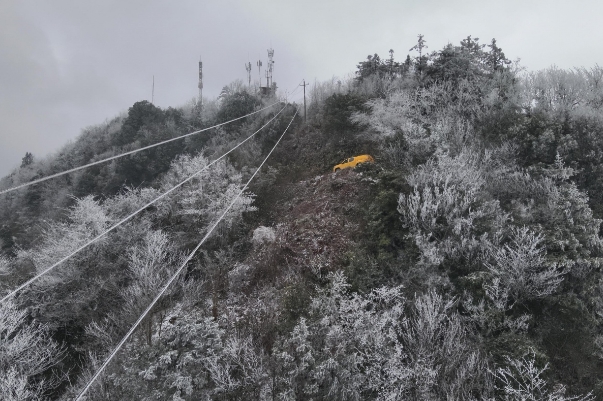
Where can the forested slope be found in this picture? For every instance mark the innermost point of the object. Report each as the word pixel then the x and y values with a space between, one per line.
pixel 464 264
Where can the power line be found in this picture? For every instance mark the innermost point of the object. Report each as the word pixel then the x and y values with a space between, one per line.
pixel 164 289
pixel 131 215
pixel 126 153
pixel 290 95
pixel 295 89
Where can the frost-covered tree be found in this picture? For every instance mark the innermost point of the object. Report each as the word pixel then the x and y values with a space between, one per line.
pixel 520 268
pixel 439 119
pixel 62 295
pixel 372 347
pixel 194 359
pixel 522 380
pixel 442 361
pixel 448 207
pixel 85 220
pixel 549 199
pixel 351 352
pixel 397 117
pixel 26 353
pixel 555 89
pixel 203 200
pixel 150 265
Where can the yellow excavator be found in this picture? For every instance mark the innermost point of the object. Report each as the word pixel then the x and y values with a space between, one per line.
pixel 353 162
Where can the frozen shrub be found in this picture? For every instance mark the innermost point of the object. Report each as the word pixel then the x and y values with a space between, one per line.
pixel 4 265
pixel 263 235
pixel 238 276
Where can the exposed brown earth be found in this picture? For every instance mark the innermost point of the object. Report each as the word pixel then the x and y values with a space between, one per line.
pixel 316 221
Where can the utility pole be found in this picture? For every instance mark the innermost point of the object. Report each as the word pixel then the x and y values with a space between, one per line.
pixel 304 85
pixel 153 91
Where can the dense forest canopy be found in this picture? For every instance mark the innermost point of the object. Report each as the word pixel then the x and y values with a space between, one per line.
pixel 465 264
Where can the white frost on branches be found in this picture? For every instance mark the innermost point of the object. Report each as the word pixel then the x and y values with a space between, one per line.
pixel 85 220
pixel 209 193
pixel 358 347
pixel 521 269
pixel 26 351
pixel 521 380
pixel 262 235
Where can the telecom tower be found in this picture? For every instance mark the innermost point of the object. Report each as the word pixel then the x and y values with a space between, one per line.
pixel 259 64
pixel 270 68
pixel 200 83
pixel 248 68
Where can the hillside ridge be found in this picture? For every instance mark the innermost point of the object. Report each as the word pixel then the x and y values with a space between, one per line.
pixel 465 263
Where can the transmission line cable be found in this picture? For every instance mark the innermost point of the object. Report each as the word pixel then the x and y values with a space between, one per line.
pixel 131 215
pixel 171 280
pixel 295 89
pixel 126 153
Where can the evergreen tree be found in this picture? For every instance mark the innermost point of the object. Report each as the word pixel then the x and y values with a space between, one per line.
pixel 420 61
pixel 27 160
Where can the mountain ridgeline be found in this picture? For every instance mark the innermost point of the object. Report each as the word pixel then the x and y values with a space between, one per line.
pixel 464 264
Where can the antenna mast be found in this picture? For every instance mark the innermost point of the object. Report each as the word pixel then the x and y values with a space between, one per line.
pixel 200 82
pixel 248 68
pixel 259 64
pixel 270 67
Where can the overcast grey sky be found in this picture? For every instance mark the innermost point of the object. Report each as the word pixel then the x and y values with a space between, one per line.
pixel 68 64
